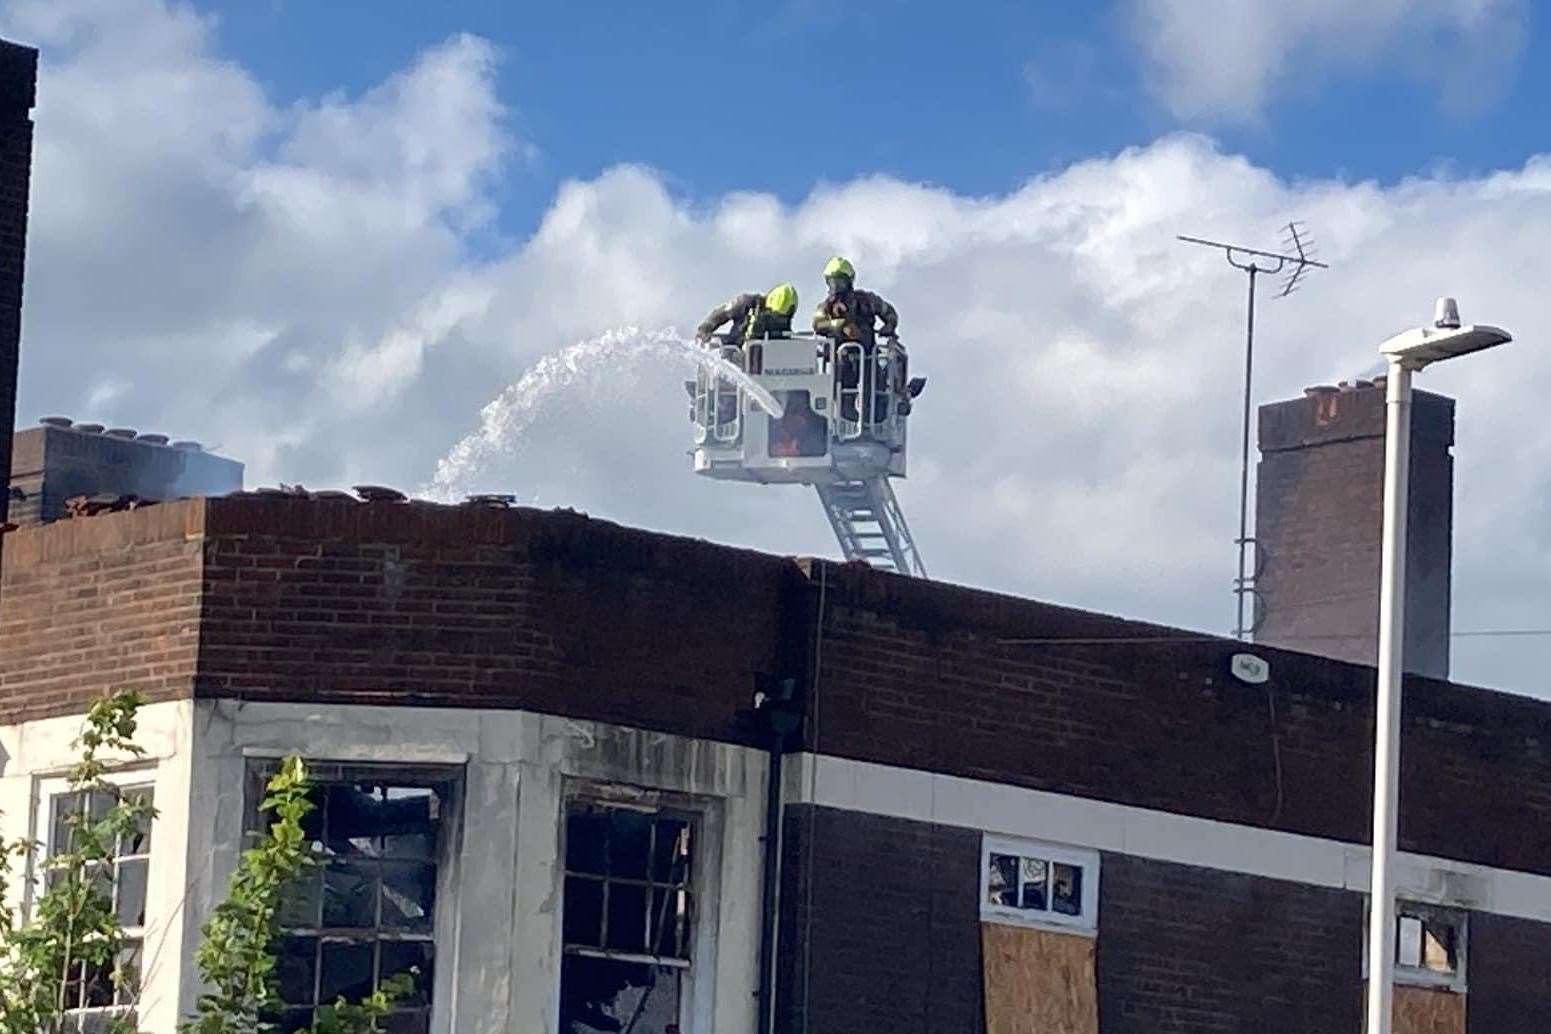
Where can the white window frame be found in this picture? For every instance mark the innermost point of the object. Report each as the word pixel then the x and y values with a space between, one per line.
pixel 1421 976
pixel 1084 858
pixel 49 787
pixel 697 972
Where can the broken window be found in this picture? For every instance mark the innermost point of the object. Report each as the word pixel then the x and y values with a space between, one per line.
pixel 1429 945
pixel 97 995
pixel 1039 884
pixel 627 918
pixel 367 911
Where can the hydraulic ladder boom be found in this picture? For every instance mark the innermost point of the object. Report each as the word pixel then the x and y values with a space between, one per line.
pixel 870 526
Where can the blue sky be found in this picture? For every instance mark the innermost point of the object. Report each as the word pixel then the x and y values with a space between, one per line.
pixel 977 95
pixel 379 243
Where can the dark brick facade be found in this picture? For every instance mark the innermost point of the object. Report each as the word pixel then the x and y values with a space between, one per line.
pixel 1012 691
pixel 1510 976
pixel 880 926
pixel 18 80
pixel 1184 950
pixel 1319 518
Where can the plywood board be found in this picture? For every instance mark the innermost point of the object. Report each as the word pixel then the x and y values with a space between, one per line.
pixel 1424 1010
pixel 1039 982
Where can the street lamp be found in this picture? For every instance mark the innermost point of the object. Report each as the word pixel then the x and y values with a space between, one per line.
pixel 1407 352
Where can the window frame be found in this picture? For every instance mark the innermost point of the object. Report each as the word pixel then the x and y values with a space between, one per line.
pixel 447 781
pixel 1087 859
pixel 1420 976
pixel 47 789
pixel 698 971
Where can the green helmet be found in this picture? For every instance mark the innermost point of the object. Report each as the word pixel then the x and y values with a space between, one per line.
pixel 839 267
pixel 782 300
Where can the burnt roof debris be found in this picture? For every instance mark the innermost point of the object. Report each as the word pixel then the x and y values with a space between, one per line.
pixel 380 494
pixel 104 502
pixel 494 500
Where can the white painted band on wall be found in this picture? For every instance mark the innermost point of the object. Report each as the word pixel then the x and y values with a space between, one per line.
pixel 1162 836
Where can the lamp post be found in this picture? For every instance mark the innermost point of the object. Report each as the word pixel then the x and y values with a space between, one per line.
pixel 1406 352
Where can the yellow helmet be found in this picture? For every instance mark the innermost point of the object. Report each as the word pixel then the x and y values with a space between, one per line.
pixel 782 300
pixel 839 267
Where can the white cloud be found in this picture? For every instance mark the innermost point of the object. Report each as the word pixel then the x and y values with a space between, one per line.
pixel 296 284
pixel 1228 59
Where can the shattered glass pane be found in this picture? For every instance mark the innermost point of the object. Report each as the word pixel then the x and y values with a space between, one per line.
pixel 350 895
pixel 608 995
pixel 132 878
pixel 126 973
pixel 1002 886
pixel 1032 875
pixel 413 958
pixel 296 969
pixel 99 984
pixel 66 805
pixel 345 969
pixel 138 841
pixel 670 851
pixel 351 825
pixel 408 896
pixel 586 842
pixel 1066 889
pixel 301 900
pixel 669 923
pixel 627 917
pixel 630 843
pixel 1438 947
pixel 407 1023
pixel 583 920
pixel 1408 946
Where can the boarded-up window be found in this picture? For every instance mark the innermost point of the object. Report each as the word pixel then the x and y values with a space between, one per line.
pixel 1038 981
pixel 1426 1010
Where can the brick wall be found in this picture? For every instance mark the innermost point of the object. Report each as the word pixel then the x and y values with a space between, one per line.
pixel 942 678
pixel 1510 976
pixel 344 602
pixel 1184 950
pixel 1319 518
pixel 880 927
pixel 91 606
pixel 348 603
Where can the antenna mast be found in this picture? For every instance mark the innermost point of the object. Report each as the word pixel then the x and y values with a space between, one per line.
pixel 1254 262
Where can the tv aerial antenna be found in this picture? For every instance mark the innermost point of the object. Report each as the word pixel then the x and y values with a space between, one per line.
pixel 1292 264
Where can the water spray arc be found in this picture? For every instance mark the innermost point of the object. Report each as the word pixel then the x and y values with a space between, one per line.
pixel 1294 268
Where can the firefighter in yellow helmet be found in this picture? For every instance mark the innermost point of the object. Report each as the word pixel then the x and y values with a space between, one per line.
pixel 847 315
pixel 752 316
pixel 851 315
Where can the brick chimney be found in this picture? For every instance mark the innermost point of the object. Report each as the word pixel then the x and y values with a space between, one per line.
pixel 18 80
pixel 1319 515
pixel 61 460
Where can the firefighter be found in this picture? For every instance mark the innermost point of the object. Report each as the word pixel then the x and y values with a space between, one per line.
pixel 752 316
pixel 848 314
